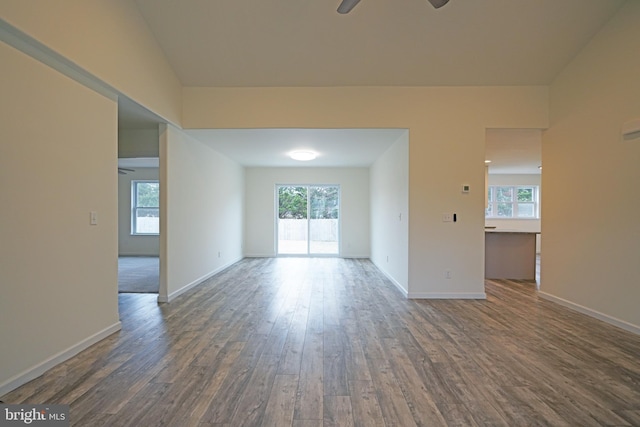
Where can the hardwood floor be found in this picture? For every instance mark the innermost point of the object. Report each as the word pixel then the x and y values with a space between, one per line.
pixel 324 342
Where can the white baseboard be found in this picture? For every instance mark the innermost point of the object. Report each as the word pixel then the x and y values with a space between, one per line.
pixel 593 313
pixel 447 295
pixel 396 283
pixel 173 295
pixel 432 295
pixel 294 255
pixel 391 278
pixel 39 369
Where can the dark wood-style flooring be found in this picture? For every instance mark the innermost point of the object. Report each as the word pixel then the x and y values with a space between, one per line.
pixel 322 341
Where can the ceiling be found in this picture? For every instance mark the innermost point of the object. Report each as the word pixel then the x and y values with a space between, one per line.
pixel 270 147
pixel 253 43
pixel 380 43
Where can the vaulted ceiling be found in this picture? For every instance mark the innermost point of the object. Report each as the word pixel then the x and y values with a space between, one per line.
pixel 252 43
pixel 381 42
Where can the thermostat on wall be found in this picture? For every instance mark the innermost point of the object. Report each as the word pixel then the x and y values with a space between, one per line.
pixel 465 188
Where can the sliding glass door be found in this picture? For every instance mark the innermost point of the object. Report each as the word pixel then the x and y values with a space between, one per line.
pixel 308 219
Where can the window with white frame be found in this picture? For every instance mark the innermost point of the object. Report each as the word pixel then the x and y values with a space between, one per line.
pixel 516 201
pixel 145 207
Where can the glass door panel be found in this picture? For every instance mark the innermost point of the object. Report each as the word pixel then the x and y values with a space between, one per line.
pixel 292 220
pixel 324 206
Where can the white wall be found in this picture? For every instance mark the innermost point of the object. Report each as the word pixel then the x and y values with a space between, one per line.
pixel 515 223
pixel 201 212
pixel 446 149
pixel 390 212
pixel 128 244
pixel 591 212
pixel 58 273
pixel 261 209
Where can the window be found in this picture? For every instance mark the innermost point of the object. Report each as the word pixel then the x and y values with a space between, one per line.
pixel 145 207
pixel 519 201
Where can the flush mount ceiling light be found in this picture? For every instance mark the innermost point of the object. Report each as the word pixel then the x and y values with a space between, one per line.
pixel 487 161
pixel 303 156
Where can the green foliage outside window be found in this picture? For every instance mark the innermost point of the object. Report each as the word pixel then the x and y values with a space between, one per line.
pixel 148 194
pixel 322 201
pixel 525 194
pixel 512 202
pixel 292 202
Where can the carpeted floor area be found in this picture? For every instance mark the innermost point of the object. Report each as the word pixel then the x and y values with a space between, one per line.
pixel 138 274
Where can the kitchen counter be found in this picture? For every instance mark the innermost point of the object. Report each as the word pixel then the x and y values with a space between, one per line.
pixel 509 254
pixel 504 230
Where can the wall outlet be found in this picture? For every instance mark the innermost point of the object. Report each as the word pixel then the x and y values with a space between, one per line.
pixel 447 274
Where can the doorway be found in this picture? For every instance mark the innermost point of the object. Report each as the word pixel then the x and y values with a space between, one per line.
pixel 308 220
pixel 513 180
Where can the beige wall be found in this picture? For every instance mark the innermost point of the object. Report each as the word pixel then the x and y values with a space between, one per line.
pixel 260 202
pixel 58 273
pixel 108 39
pixel 590 217
pixel 201 212
pixel 446 149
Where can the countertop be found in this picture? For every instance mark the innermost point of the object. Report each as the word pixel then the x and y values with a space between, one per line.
pixel 506 230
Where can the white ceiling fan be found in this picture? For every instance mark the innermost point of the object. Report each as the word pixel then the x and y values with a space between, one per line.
pixel 347 5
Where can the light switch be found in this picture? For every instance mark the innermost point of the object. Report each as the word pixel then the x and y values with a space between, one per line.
pixel 447 217
pixel 93 215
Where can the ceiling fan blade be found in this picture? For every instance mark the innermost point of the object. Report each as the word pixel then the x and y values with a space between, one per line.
pixel 347 5
pixel 438 3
